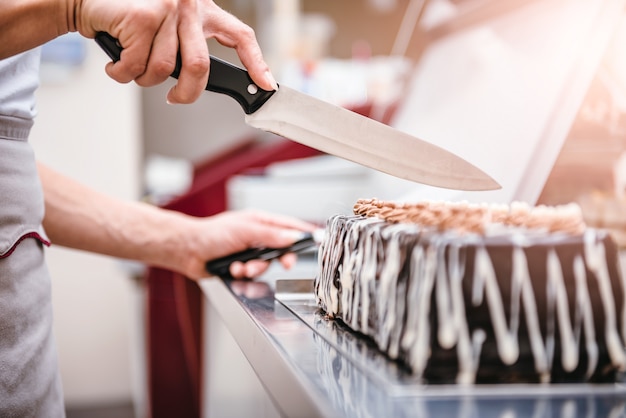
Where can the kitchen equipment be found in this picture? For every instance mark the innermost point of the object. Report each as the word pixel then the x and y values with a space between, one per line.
pixel 335 130
pixel 220 266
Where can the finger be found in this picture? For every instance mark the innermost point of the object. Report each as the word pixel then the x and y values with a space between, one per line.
pixel 162 59
pixel 133 59
pixel 232 32
pixel 264 230
pixel 251 57
pixel 237 270
pixel 281 221
pixel 194 73
pixel 250 269
pixel 288 260
pixel 272 237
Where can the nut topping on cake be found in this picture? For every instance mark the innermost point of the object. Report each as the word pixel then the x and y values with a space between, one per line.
pixel 465 217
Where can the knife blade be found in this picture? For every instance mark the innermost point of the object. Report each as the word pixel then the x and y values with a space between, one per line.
pixel 334 129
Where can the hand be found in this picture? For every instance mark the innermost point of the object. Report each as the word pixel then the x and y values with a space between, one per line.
pixel 151 33
pixel 234 231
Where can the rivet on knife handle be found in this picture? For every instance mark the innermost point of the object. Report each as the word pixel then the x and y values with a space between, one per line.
pixel 221 266
pixel 224 77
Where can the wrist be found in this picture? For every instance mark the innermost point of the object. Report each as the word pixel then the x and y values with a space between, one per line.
pixel 72 11
pixel 174 241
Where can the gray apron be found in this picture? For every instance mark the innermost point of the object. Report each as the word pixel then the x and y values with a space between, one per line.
pixel 29 379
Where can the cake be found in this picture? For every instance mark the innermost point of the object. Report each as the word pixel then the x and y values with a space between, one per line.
pixel 465 293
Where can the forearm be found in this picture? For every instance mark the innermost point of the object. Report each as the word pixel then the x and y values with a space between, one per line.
pixel 81 218
pixel 28 23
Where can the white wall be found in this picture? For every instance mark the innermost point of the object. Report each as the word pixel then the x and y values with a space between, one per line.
pixel 88 127
pixel 211 125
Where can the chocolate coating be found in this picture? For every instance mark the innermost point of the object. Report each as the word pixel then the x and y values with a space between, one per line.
pixel 518 305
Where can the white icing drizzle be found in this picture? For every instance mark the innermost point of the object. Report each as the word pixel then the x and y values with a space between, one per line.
pixel 485 279
pixel 569 344
pixel 447 304
pixel 453 319
pixel 417 337
pixel 595 254
pixel 521 279
pixel 388 297
pixel 584 300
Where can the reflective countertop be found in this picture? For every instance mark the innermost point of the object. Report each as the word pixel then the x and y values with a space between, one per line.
pixel 313 367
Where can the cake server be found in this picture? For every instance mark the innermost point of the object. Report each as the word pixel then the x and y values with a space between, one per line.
pixel 335 130
pixel 221 266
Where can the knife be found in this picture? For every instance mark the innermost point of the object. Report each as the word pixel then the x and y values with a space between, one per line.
pixel 221 266
pixel 334 130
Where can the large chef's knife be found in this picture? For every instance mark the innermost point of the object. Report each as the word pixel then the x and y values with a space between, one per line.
pixel 335 130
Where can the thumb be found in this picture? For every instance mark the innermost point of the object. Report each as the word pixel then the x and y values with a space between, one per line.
pixel 277 238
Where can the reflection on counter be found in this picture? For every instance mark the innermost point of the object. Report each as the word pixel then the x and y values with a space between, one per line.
pixel 351 368
pixel 305 362
pixel 346 383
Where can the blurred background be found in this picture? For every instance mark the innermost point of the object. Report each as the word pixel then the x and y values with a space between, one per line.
pixel 533 92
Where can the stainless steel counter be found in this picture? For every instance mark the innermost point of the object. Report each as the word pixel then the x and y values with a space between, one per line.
pixel 311 367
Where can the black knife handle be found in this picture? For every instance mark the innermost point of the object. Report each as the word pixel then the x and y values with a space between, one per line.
pixel 224 78
pixel 221 266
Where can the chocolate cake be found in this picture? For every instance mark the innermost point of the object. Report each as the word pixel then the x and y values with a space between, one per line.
pixel 464 293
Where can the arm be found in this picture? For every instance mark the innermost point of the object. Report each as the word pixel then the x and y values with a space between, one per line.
pixel 81 218
pixel 151 33
pixel 26 24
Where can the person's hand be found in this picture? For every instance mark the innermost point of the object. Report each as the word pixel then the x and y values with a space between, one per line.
pixel 152 31
pixel 234 231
